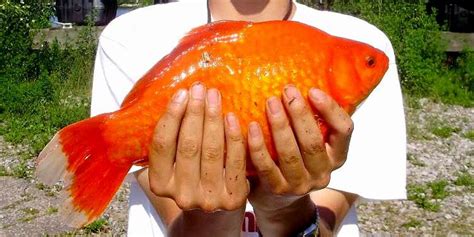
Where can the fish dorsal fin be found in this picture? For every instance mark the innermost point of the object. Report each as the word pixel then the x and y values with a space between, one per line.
pixel 196 36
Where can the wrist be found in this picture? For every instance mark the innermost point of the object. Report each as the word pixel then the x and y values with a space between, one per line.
pixel 200 223
pixel 288 220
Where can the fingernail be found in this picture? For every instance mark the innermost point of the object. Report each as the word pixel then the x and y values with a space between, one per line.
pixel 213 97
pixel 232 121
pixel 254 129
pixel 274 105
pixel 179 96
pixel 316 94
pixel 292 92
pixel 197 91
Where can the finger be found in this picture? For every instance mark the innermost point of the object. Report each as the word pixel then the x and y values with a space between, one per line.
pixel 163 146
pixel 291 162
pixel 189 142
pixel 212 157
pixel 268 172
pixel 340 122
pixel 307 131
pixel 236 181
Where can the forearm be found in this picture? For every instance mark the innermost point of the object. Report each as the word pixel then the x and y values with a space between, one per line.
pixel 287 221
pixel 333 206
pixel 198 223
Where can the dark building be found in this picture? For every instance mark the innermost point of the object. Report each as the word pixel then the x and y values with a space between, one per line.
pixel 457 15
pixel 76 11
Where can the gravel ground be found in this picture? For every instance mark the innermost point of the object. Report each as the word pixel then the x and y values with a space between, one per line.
pixel 434 159
pixel 439 153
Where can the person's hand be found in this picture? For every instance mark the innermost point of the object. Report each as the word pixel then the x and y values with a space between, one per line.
pixel 187 154
pixel 305 159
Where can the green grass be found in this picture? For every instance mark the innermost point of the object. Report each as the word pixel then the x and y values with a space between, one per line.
pixel 438 189
pixel 21 170
pixel 412 223
pixel 469 135
pixel 465 179
pixel 29 214
pixel 428 196
pixel 99 225
pixel 51 210
pixel 4 171
pixel 414 161
pixel 444 131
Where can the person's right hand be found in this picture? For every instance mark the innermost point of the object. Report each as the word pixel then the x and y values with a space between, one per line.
pixel 187 154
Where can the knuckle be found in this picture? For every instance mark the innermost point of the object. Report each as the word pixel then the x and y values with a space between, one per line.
pixel 302 190
pixel 291 159
pixel 298 107
pixel 257 146
pixel 212 152
pixel 184 202
pixel 339 163
pixel 195 108
pixel 158 189
pixel 234 204
pixel 322 181
pixel 235 137
pixel 264 170
pixel 280 123
pixel 160 143
pixel 238 164
pixel 349 127
pixel 173 113
pixel 279 190
pixel 312 148
pixel 188 148
pixel 209 206
pixel 213 114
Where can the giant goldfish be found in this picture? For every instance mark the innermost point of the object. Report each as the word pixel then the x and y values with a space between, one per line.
pixel 248 62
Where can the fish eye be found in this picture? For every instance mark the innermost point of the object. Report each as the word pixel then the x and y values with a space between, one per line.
pixel 370 61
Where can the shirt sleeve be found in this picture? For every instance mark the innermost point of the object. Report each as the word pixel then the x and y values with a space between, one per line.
pixel 111 81
pixel 376 163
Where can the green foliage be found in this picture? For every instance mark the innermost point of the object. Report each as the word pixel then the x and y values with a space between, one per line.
pixel 444 131
pixel 438 189
pixel 466 69
pixel 427 196
pixel 412 223
pixel 17 20
pixel 414 161
pixel 419 195
pixel 469 135
pixel 3 171
pixel 52 210
pixel 465 179
pixel 99 225
pixel 42 89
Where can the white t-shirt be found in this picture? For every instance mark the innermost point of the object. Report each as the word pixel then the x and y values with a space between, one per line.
pixel 375 168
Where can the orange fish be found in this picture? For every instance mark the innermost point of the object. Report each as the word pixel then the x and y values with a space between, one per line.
pixel 247 62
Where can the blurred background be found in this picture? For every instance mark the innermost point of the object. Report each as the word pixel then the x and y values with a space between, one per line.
pixel 47 51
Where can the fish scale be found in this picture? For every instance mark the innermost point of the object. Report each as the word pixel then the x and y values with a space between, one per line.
pixel 247 62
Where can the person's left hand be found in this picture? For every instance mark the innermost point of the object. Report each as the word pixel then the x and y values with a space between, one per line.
pixel 305 159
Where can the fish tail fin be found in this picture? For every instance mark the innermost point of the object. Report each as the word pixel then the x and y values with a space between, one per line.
pixel 79 156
